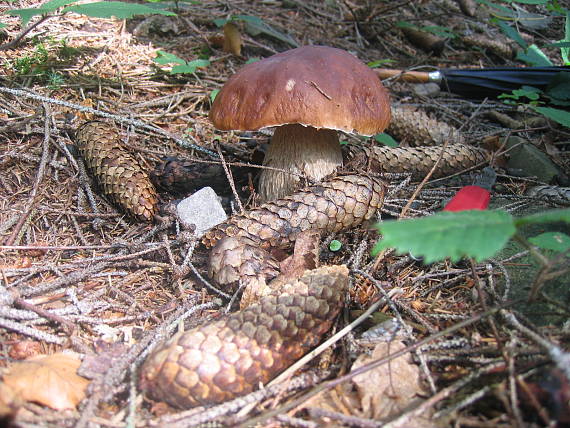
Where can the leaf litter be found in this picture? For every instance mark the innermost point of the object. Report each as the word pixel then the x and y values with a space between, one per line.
pixel 102 270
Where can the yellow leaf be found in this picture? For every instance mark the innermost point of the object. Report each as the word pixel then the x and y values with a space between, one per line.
pixel 50 380
pixel 232 39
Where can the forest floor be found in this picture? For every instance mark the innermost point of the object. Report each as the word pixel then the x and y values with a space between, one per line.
pixel 107 287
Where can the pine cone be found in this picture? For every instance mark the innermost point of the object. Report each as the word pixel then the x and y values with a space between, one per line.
pixel 414 128
pixel 231 357
pixel 343 202
pixel 500 46
pixel 416 161
pixel 118 173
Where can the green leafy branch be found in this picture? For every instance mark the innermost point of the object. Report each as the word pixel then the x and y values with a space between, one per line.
pixel 474 234
pixel 98 9
pixel 557 93
pixel 530 54
pixel 182 66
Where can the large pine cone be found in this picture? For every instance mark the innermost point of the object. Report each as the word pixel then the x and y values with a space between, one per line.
pixel 120 176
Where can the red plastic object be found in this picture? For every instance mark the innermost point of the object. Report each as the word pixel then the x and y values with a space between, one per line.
pixel 469 198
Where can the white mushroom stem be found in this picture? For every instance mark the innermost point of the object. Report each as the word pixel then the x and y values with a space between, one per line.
pixel 304 151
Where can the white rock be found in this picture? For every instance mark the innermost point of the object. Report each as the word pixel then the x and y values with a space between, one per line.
pixel 201 209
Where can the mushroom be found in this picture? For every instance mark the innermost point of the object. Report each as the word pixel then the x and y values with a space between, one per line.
pixel 308 94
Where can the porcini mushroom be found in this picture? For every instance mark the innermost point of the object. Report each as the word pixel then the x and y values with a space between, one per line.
pixel 308 94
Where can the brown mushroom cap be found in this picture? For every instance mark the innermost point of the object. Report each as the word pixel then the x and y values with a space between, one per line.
pixel 316 86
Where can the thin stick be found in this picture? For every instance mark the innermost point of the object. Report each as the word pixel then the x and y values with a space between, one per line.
pixel 230 178
pixel 12 44
pixel 424 181
pixel 134 122
pixel 32 199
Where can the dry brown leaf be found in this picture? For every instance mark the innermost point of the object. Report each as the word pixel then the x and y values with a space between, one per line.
pixel 232 39
pixel 25 349
pixel 9 403
pixel 85 116
pixel 387 390
pixel 305 256
pixel 50 380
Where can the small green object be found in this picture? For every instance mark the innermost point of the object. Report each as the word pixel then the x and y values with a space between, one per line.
pixel 213 94
pixel 439 31
pixel 555 241
pixel 335 245
pixel 220 22
pixel 535 57
pixel 379 63
pixel 190 67
pixel 164 58
pixel 386 140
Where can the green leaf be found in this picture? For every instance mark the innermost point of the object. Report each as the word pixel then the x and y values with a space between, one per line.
pixel 164 58
pixel 405 24
pixel 189 67
pixel 55 4
pixel 213 94
pixel 508 12
pixel 248 18
pixel 335 245
pixel 559 87
pixel 529 92
pixel 565 50
pixel 251 60
pixel 511 33
pixel 439 31
pixel 556 241
pixel 379 63
pixel 26 14
pixel 386 140
pixel 558 45
pixel 220 22
pixel 477 234
pixel 255 26
pixel 545 217
pixel 118 9
pixel 555 114
pixel 534 56
pixel 528 1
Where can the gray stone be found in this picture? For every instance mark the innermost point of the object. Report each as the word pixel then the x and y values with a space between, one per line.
pixel 202 210
pixel 530 160
pixel 427 89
